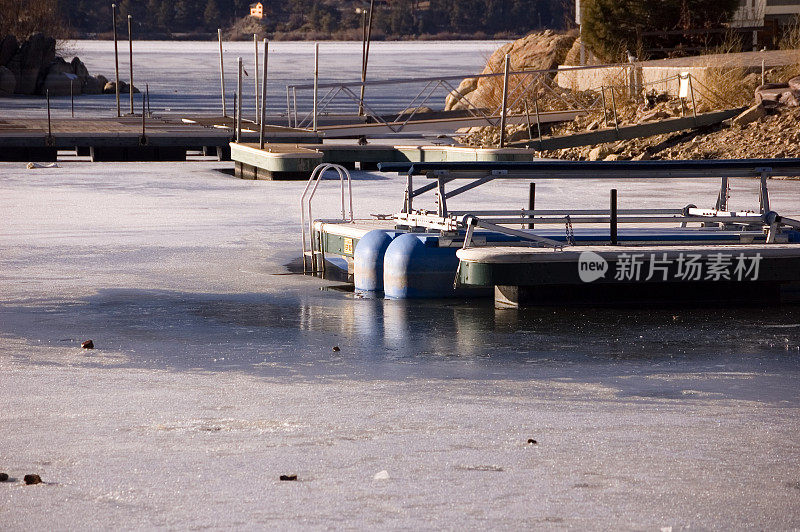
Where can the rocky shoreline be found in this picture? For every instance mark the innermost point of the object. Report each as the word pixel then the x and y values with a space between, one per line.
pixel 769 129
pixel 32 67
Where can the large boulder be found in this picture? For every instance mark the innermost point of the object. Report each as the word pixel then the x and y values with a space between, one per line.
pixel 466 87
pixel 110 88
pixel 8 48
pixel 57 83
pixel 537 51
pixel 92 85
pixel 36 52
pixel 8 81
pixel 79 69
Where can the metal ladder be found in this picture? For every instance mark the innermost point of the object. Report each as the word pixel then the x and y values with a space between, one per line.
pixel 313 252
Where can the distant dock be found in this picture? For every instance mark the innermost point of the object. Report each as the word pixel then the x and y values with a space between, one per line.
pixel 128 138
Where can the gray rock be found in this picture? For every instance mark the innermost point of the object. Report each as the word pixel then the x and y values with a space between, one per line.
pixel 93 85
pixel 79 69
pixel 32 479
pixel 8 82
pixel 453 100
pixel 58 84
pixel 102 80
pixel 598 153
pixel 110 88
pixel 757 112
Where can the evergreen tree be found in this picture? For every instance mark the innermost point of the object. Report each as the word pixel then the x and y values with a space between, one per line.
pixel 211 15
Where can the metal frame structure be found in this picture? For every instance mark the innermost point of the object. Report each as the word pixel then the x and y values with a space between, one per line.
pixel 448 221
pixel 396 125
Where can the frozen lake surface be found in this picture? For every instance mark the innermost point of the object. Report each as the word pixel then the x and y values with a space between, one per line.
pixel 184 76
pixel 214 373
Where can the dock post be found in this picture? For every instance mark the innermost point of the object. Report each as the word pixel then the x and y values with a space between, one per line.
pixel 316 82
pixel 288 109
pixel 531 202
pixel 222 74
pixel 143 140
pixel 528 119
pixel 614 109
pixel 49 125
pixel 147 93
pixel 505 101
pixel 263 96
pixel 294 104
pixel 130 57
pixel 255 51
pixel 239 101
pixel 538 118
pixel 116 56
pixel 365 57
pixel 72 98
pixel 605 105
pixel 613 217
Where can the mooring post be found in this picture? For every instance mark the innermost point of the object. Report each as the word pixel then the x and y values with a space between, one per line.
pixel 130 57
pixel 239 101
pixel 505 101
pixel 116 56
pixel 222 73
pixel 288 109
pixel 531 203
pixel 603 96
pixel 49 125
pixel 255 53
pixel 143 140
pixel 365 63
pixel 147 92
pixel 538 118
pixel 264 96
pixel 614 109
pixel 528 120
pixel 363 57
pixel 294 104
pixel 316 82
pixel 613 217
pixel 72 97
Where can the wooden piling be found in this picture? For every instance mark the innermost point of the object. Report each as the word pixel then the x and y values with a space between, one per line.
pixel 222 73
pixel 316 82
pixel 505 103
pixel 255 55
pixel 531 202
pixel 116 56
pixel 130 57
pixel 613 217
pixel 264 96
pixel 239 101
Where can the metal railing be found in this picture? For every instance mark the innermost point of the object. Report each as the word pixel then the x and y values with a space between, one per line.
pixel 313 253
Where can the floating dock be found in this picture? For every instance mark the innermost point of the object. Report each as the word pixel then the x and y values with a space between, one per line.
pixel 296 161
pixel 564 256
pixel 629 274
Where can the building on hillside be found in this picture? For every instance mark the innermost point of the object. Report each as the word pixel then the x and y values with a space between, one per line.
pixel 759 13
pixel 257 10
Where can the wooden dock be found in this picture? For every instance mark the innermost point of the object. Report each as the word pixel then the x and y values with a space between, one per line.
pixel 128 138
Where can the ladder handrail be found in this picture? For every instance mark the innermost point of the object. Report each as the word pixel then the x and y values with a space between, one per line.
pixel 315 178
